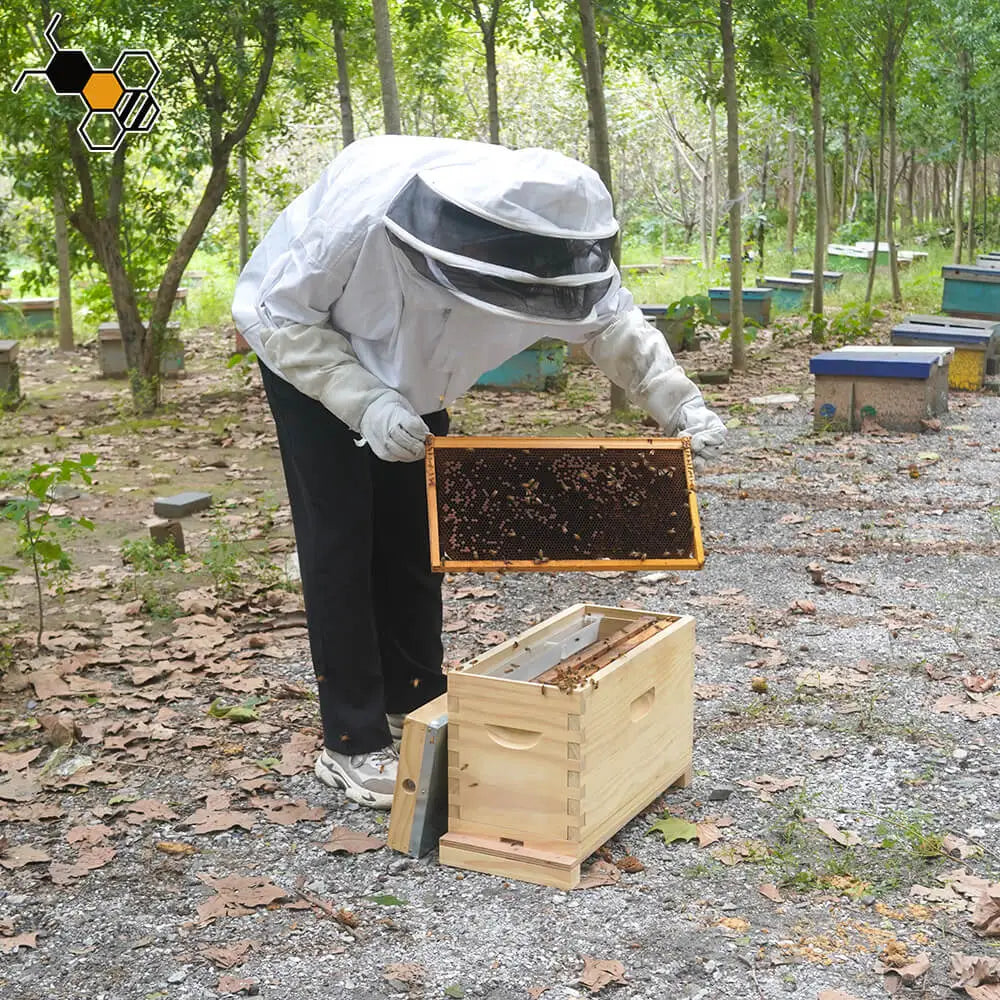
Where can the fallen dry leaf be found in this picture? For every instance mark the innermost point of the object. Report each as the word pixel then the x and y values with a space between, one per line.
pixel 708 833
pixel 598 874
pixel 285 812
pixel 13 858
pixel 233 984
pixel 87 861
pixel 979 684
pixel 846 838
pixel 174 847
pixel 88 836
pixel 405 972
pixel 978 975
pixel 957 847
pixel 833 753
pixel 735 924
pixel 228 956
pixel 767 785
pixel 145 810
pixel 600 972
pixel 237 896
pixel 11 944
pixel 20 788
pixel 60 730
pixel 771 891
pixel 350 841
pixel 973 707
pixel 630 864
pixel 986 912
pixel 216 815
pixel 835 995
pixel 534 992
pixel 906 974
pixel 757 641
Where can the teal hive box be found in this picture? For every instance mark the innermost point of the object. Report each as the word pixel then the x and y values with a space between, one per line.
pixel 791 295
pixel 831 279
pixel 971 291
pixel 21 316
pixel 756 304
pixel 538 367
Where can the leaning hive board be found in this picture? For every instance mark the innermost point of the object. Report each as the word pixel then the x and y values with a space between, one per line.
pixel 561 504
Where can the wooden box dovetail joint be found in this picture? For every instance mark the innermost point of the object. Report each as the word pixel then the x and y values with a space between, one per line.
pixel 420 802
pixel 565 504
pixel 538 776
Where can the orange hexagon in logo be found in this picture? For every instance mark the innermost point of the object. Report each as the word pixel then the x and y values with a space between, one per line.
pixel 103 91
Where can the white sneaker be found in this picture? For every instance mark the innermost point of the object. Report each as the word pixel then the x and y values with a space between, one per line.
pixel 367 778
pixel 395 727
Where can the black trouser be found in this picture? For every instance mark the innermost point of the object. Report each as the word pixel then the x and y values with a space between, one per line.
pixel 373 606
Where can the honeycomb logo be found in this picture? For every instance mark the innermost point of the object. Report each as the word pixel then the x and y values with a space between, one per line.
pixel 118 100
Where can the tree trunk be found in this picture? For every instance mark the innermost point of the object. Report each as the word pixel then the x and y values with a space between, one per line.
pixel 973 186
pixel 856 180
pixel 492 94
pixel 847 172
pixel 242 219
pixel 343 86
pixel 910 172
pixel 935 194
pixel 687 220
pixel 600 140
pixel 734 194
pixel 819 157
pixel 890 195
pixel 879 181
pixel 386 67
pixel 63 264
pixel 958 214
pixel 703 214
pixel 713 138
pixel 793 201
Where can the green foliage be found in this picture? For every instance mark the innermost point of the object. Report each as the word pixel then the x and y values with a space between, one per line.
pixel 850 324
pixel 150 563
pixel 672 828
pixel 32 512
pixel 912 831
pixel 221 557
pixel 239 714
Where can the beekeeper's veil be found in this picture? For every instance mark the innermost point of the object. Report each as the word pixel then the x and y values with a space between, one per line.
pixel 529 232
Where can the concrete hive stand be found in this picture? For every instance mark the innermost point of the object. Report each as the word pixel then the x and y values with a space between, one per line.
pixel 10 374
pixel 111 351
pixel 897 388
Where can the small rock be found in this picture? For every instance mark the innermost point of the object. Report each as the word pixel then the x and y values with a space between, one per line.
pixel 868 900
pixel 177 977
pixel 721 793
pixel 790 985
pixel 960 754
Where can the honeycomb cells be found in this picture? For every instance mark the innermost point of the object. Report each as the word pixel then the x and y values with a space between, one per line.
pixel 546 504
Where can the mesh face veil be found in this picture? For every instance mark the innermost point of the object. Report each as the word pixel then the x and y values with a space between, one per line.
pixel 554 277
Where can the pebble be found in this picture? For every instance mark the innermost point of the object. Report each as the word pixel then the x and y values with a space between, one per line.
pixel 177 977
pixel 960 754
pixel 721 793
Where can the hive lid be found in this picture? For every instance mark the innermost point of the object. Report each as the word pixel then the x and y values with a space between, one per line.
pixel 944 335
pixel 566 504
pixel 890 362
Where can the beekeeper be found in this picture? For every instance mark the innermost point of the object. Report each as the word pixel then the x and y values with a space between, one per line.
pixel 376 299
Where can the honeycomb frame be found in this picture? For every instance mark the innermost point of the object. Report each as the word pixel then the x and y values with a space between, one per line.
pixel 447 517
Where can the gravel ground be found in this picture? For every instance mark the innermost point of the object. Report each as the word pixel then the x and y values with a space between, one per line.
pixel 908 604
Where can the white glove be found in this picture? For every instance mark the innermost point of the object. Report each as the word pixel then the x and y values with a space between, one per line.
pixel 702 425
pixel 393 431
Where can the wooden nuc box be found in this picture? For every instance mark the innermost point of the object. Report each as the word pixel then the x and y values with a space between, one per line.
pixel 544 767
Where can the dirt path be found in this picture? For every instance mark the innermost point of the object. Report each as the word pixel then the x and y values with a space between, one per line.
pixel 860 601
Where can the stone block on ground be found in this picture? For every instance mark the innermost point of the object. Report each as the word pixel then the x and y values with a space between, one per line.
pixel 181 504
pixel 164 531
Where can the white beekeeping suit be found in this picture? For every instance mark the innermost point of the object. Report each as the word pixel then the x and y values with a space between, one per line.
pixel 414 265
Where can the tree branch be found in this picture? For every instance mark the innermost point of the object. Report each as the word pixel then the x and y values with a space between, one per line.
pixel 270 41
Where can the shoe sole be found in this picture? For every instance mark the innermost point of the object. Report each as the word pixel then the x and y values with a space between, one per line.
pixel 331 774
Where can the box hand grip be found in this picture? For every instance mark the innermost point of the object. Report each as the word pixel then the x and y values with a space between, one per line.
pixel 513 739
pixel 642 705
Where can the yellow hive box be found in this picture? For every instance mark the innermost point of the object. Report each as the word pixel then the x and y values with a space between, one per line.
pixel 543 771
